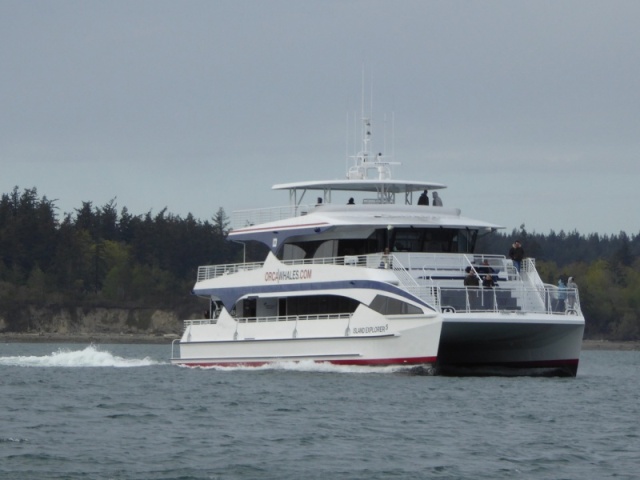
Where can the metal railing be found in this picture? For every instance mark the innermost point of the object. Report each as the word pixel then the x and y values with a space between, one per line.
pixel 284 318
pixel 215 271
pixel 522 299
pixel 257 216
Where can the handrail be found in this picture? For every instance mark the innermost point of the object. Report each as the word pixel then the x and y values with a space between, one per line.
pixel 295 318
pixel 172 345
pixel 431 262
pixel 249 217
pixel 501 299
pixel 283 318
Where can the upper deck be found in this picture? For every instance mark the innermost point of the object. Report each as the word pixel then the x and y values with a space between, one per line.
pixel 438 279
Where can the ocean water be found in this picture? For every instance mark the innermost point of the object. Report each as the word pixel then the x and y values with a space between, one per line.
pixel 123 412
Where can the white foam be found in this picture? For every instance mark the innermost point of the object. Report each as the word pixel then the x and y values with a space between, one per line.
pixel 91 356
pixel 311 366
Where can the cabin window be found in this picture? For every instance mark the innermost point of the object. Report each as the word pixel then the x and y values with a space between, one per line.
pixel 247 307
pixel 392 306
pixel 313 249
pixel 401 239
pixel 292 251
pixel 432 240
pixel 466 240
pixel 317 305
pixel 408 241
pixel 327 249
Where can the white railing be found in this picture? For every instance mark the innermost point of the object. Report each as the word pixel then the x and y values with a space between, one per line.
pixel 214 271
pixel 284 318
pixel 499 299
pixel 257 216
pixel 295 318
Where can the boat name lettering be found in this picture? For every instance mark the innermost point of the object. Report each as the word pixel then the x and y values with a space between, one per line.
pixel 377 329
pixel 279 275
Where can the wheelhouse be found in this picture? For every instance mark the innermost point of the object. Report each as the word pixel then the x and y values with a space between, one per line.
pixel 367 240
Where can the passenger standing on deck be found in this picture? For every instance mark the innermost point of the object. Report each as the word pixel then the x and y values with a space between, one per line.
pixel 385 261
pixel 437 201
pixel 572 289
pixel 562 295
pixel 471 284
pixel 424 199
pixel 516 253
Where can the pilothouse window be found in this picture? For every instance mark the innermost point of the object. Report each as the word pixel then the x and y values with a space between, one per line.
pixel 398 239
pixel 432 240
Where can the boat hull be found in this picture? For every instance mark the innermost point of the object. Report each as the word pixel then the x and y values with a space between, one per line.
pixel 364 339
pixel 517 344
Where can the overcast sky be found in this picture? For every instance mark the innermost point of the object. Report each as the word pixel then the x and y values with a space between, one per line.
pixel 528 111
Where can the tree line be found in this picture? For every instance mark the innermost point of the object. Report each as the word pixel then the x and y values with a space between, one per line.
pixel 99 256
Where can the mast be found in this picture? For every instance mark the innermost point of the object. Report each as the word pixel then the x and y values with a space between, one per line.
pixel 366 164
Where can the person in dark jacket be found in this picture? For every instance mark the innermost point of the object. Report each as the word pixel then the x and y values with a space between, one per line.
pixel 471 279
pixel 516 254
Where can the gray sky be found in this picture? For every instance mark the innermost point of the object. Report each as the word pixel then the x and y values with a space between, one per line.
pixel 528 111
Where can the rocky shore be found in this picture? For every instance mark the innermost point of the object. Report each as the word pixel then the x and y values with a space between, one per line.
pixel 107 338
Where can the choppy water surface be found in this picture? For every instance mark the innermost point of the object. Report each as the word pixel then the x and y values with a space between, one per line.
pixel 122 412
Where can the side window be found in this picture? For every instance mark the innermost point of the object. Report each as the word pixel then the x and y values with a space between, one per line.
pixel 391 306
pixel 293 252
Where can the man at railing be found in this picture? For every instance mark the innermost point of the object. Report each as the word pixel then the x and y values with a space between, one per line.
pixel 516 253
pixel 471 283
pixel 561 295
pixel 572 289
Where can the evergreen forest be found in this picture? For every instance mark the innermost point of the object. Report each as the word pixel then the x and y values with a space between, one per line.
pixel 105 256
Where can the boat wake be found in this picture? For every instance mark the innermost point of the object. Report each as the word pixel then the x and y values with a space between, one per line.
pixel 324 367
pixel 90 356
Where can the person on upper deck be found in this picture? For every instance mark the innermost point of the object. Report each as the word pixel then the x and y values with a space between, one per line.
pixel 572 288
pixel 437 201
pixel 516 254
pixel 471 280
pixel 351 201
pixel 385 260
pixel 487 272
pixel 485 267
pixel 561 296
pixel 487 281
pixel 424 198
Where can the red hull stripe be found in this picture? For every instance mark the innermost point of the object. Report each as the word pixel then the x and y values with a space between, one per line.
pixel 371 362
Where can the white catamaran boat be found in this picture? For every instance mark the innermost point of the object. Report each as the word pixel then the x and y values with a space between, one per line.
pixel 366 279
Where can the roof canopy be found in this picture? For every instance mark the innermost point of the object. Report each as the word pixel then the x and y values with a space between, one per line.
pixel 364 185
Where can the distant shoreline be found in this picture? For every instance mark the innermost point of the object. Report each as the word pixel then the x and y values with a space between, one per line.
pixel 609 345
pixel 126 338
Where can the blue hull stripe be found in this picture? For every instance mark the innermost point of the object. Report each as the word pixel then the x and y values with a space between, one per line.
pixel 229 296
